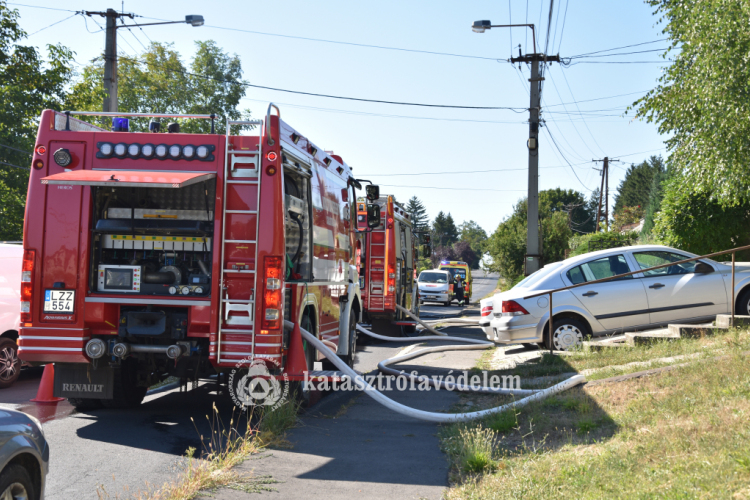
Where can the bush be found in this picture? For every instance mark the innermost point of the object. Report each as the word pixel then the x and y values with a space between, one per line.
pixel 579 244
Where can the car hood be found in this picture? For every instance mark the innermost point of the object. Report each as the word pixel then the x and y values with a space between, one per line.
pixel 434 287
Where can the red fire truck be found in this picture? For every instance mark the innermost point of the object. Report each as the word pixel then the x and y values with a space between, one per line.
pixel 156 254
pixel 387 261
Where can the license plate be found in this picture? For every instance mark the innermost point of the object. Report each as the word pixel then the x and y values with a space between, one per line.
pixel 59 301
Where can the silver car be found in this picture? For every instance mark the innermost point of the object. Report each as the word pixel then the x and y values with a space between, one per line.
pixel 692 292
pixel 434 286
pixel 24 456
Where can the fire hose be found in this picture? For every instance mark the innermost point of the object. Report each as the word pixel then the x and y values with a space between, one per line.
pixel 381 398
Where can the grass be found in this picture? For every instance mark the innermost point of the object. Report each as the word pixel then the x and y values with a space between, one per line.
pixel 682 433
pixel 226 447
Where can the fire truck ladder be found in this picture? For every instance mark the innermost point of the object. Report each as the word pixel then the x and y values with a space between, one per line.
pixel 242 168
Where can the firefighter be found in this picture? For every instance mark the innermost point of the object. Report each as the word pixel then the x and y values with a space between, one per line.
pixel 458 288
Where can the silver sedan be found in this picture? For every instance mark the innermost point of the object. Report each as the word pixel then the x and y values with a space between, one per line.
pixel 24 456
pixel 692 292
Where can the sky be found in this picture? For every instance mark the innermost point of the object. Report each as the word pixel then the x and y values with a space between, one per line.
pixel 471 163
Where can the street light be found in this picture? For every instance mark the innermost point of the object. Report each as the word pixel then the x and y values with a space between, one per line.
pixel 480 26
pixel 110 49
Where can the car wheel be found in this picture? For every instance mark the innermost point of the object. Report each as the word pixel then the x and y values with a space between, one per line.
pixel 10 365
pixel 568 333
pixel 16 484
pixel 743 304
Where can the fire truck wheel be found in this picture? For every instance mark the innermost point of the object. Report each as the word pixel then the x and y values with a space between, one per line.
pixel 349 358
pixel 10 365
pixel 126 393
pixel 85 404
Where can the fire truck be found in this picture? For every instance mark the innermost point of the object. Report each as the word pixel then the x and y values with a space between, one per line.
pixel 387 263
pixel 160 253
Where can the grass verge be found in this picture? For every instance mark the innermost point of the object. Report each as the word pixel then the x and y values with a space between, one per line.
pixel 682 433
pixel 227 447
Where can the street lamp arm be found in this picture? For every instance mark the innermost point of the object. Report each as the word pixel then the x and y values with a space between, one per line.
pixel 149 24
pixel 533 36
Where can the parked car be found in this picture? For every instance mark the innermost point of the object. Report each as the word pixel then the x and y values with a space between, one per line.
pixel 434 286
pixel 485 306
pixel 24 456
pixel 683 293
pixel 11 257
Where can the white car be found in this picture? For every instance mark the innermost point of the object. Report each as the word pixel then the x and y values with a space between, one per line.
pixel 485 306
pixel 434 286
pixel 685 293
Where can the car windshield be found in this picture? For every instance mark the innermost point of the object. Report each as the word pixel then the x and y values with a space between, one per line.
pixel 433 278
pixel 456 270
pixel 534 278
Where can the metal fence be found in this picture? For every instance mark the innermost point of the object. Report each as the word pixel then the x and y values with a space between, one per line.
pixel 733 251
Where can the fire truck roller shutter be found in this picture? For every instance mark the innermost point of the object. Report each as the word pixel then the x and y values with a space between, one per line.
pixel 297 216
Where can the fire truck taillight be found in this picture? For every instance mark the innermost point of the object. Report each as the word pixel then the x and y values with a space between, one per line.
pixel 391 279
pixel 27 286
pixel 272 298
pixel 272 156
pixel 40 150
pixel 38 164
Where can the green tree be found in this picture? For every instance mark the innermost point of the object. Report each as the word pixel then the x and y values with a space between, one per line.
pixel 507 245
pixel 158 81
pixel 28 85
pixel 444 230
pixel 655 195
pixel 476 237
pixel 634 190
pixel 418 214
pixel 699 224
pixel 701 101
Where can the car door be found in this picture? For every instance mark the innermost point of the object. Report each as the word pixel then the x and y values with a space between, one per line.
pixel 616 304
pixel 676 293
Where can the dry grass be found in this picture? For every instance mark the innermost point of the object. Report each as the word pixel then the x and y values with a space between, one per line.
pixel 226 447
pixel 684 433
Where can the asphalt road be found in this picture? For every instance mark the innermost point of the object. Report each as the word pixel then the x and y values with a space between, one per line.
pixel 106 453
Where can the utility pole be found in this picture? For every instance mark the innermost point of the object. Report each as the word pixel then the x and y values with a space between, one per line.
pixel 110 49
pixel 533 257
pixel 603 191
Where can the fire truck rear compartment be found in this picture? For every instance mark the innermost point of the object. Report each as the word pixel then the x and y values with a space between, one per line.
pixel 297 219
pixel 153 241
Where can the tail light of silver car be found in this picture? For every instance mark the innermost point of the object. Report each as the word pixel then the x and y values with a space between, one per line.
pixel 513 308
pixel 486 311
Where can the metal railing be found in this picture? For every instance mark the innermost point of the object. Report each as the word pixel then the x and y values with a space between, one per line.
pixel 733 251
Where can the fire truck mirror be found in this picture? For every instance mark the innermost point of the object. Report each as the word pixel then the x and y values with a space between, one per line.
pixel 426 251
pixel 373 193
pixel 373 215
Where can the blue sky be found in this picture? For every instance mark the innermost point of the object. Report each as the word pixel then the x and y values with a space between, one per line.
pixel 382 140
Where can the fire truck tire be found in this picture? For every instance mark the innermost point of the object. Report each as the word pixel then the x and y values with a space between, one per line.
pixel 85 404
pixel 10 365
pixel 126 393
pixel 349 358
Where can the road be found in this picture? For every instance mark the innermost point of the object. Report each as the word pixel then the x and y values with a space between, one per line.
pixel 113 452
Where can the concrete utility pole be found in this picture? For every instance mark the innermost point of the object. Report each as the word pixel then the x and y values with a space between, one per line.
pixel 110 49
pixel 533 257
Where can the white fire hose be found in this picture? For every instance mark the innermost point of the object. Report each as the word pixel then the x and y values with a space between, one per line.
pixel 426 415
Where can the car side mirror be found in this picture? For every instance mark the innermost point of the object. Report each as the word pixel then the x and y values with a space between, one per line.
pixel 373 215
pixel 703 268
pixel 426 251
pixel 373 192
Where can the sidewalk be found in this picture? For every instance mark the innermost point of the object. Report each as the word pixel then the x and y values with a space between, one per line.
pixel 367 451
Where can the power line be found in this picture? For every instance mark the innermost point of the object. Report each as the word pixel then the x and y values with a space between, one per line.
pixel 566 160
pixel 39 7
pixel 579 110
pixel 470 171
pixel 16 166
pixel 620 53
pixel 567 2
pixel 456 189
pixel 623 47
pixel 56 22
pixel 16 149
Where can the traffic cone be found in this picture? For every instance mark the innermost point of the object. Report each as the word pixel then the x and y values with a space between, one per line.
pixel 46 386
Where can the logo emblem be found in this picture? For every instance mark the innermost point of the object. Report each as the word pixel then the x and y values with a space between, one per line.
pixel 255 386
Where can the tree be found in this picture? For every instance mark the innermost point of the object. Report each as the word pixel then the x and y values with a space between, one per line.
pixel 473 234
pixel 699 224
pixel 418 214
pixel 464 252
pixel 157 81
pixel 444 230
pixel 635 188
pixel 507 245
pixel 701 102
pixel 28 85
pixel 626 216
pixel 655 195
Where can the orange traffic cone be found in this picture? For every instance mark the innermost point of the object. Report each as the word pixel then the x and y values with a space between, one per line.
pixel 46 386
